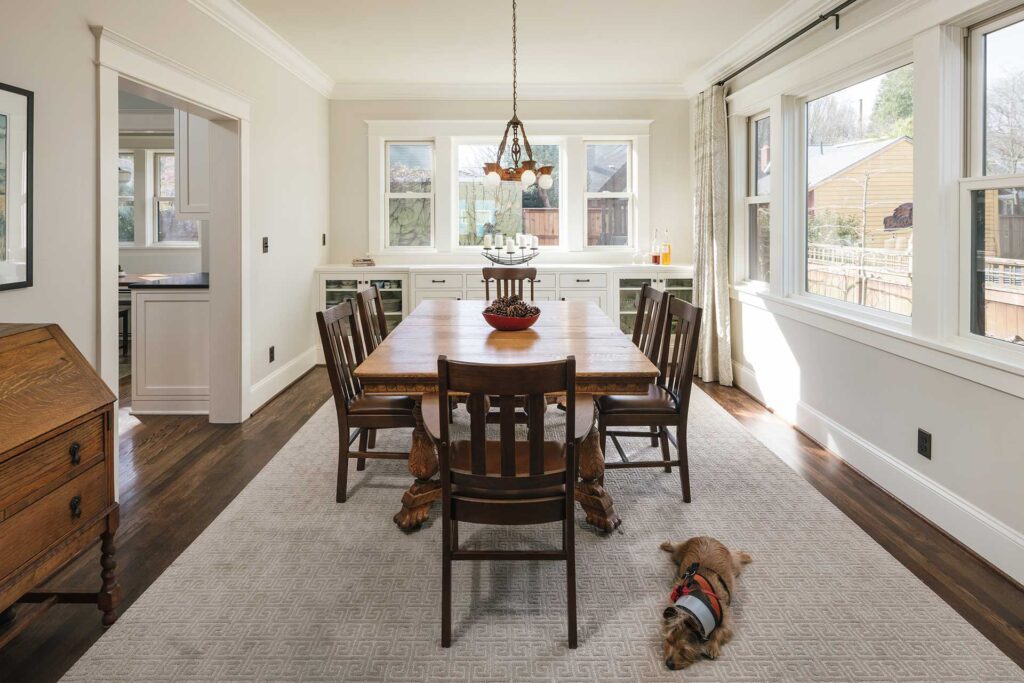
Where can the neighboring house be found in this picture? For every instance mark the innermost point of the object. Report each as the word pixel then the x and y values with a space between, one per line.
pixel 873 178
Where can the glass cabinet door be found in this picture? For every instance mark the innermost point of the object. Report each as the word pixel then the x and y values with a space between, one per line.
pixel 680 288
pixel 629 293
pixel 392 297
pixel 339 290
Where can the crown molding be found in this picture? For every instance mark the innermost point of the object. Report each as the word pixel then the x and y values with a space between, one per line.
pixel 251 29
pixel 503 91
pixel 787 19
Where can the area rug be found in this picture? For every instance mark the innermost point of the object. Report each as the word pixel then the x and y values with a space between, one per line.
pixel 288 585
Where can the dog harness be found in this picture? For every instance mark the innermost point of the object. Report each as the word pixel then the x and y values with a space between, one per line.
pixel 694 596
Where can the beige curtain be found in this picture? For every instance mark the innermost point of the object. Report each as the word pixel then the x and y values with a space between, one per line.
pixel 711 236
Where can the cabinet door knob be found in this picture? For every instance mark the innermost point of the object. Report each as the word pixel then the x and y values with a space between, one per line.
pixel 76 507
pixel 76 453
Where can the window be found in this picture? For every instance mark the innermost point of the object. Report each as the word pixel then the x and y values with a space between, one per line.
pixel 409 194
pixel 609 194
pixel 169 228
pixel 758 199
pixel 126 197
pixel 507 209
pixel 995 193
pixel 860 203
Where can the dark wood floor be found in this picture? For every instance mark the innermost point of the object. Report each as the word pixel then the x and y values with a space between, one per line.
pixel 177 474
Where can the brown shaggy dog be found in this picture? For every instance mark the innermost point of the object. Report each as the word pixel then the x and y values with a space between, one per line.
pixel 719 567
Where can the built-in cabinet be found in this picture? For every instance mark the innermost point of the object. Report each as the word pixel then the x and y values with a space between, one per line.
pixel 192 165
pixel 614 288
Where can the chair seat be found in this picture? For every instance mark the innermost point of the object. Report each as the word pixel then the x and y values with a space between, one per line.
pixel 381 404
pixel 656 400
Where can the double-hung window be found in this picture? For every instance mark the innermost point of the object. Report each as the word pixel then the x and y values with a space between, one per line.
pixel 169 228
pixel 507 209
pixel 609 194
pixel 409 194
pixel 126 198
pixel 992 203
pixel 859 169
pixel 759 198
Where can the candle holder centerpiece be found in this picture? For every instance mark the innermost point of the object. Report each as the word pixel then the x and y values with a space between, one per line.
pixel 510 252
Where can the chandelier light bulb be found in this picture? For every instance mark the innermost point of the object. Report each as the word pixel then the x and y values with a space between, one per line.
pixel 545 182
pixel 492 179
pixel 528 178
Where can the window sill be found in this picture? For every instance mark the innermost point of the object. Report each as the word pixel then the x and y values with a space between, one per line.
pixel 158 247
pixel 957 357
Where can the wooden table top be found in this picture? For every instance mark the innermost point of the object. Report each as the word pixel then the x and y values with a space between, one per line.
pixel 606 360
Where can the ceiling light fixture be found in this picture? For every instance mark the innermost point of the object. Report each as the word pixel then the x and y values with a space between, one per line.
pixel 525 171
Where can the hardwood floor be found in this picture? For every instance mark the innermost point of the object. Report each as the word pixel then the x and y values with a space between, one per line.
pixel 177 474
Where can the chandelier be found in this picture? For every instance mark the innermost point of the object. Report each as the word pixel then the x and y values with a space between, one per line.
pixel 523 170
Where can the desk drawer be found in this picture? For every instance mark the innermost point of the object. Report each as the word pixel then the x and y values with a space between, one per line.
pixel 39 466
pixel 582 280
pixel 438 280
pixel 40 525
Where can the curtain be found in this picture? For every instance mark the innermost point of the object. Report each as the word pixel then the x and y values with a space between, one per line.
pixel 711 236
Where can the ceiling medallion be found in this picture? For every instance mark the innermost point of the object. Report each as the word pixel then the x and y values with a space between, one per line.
pixel 523 170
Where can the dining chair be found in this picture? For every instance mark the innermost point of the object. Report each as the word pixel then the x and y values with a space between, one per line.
pixel 373 322
pixel 508 281
pixel 667 401
pixel 648 331
pixel 507 481
pixel 343 351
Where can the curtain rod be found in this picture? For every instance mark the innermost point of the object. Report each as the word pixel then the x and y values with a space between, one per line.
pixel 822 18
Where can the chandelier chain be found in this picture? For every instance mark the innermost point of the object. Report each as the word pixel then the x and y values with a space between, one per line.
pixel 514 62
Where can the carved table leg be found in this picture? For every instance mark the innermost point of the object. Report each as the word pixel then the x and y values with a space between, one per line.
pixel 422 465
pixel 590 492
pixel 109 595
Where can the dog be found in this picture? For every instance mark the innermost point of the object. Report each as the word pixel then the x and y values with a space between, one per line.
pixel 698 623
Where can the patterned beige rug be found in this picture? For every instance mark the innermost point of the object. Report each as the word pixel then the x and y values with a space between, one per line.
pixel 288 585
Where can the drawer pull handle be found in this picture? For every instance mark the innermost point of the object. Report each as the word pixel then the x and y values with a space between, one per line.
pixel 76 507
pixel 438 282
pixel 579 280
pixel 76 453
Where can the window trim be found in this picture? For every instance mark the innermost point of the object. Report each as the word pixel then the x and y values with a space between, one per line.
pixel 563 222
pixel 632 243
pixel 388 195
pixel 798 192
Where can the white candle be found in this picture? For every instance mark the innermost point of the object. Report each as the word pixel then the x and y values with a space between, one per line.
pixel 488 241
pixel 499 240
pixel 534 241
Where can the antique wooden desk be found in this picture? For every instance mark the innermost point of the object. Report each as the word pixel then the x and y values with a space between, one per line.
pixel 406 363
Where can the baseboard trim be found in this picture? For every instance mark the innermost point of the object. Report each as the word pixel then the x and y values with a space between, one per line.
pixel 280 379
pixel 989 538
pixel 169 406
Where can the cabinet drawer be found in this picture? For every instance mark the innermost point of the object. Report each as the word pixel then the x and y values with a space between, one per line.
pixel 438 281
pixel 543 281
pixel 582 280
pixel 40 525
pixel 39 466
pixel 452 294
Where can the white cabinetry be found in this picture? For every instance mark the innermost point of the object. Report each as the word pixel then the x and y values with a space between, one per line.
pixel 191 164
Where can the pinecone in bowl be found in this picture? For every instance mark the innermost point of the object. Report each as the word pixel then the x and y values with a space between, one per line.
pixel 512 306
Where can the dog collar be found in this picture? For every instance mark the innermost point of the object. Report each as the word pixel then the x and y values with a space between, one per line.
pixel 696 597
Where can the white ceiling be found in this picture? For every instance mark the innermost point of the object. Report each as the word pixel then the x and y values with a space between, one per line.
pixel 580 42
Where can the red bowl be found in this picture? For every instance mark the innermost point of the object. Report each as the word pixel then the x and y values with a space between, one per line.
pixel 507 324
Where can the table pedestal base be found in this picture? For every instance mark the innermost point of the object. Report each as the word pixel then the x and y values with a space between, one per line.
pixel 590 493
pixel 423 466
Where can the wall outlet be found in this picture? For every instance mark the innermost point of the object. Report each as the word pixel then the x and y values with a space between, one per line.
pixel 323 239
pixel 266 244
pixel 271 354
pixel 924 443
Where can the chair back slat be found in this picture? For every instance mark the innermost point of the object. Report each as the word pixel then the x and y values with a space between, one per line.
pixel 649 326
pixel 516 467
pixel 371 317
pixel 343 350
pixel 679 350
pixel 508 281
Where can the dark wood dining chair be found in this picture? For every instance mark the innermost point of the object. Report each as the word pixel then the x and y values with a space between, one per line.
pixel 508 281
pixel 372 320
pixel 667 401
pixel 508 481
pixel 343 351
pixel 648 331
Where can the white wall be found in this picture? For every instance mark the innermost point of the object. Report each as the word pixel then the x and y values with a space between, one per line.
pixel 46 47
pixel 864 393
pixel 671 195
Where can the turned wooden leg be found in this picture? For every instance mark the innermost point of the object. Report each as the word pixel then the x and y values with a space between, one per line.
pixel 423 466
pixel 109 595
pixel 590 493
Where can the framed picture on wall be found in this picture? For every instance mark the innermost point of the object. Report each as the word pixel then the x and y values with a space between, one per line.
pixel 15 187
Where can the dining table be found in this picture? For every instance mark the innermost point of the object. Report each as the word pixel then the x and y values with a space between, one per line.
pixel 405 363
